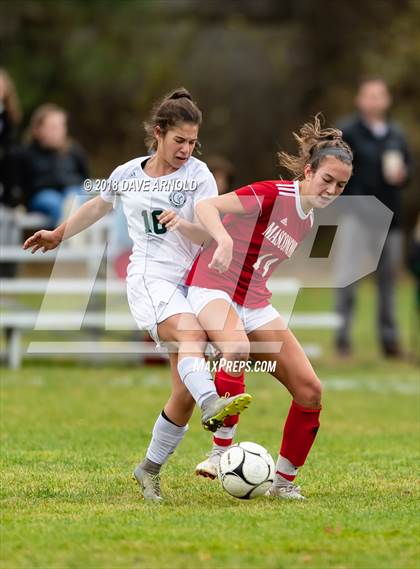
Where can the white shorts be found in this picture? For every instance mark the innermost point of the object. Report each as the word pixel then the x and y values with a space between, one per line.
pixel 154 300
pixel 252 318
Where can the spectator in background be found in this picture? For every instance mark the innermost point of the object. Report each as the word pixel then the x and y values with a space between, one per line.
pixel 52 167
pixel 381 168
pixel 414 259
pixel 223 172
pixel 414 267
pixel 10 117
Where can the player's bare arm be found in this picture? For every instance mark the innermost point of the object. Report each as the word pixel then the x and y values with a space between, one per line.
pixel 84 217
pixel 191 230
pixel 209 214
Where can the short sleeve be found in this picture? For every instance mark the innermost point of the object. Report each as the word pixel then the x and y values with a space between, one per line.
pixel 251 199
pixel 258 198
pixel 206 187
pixel 108 190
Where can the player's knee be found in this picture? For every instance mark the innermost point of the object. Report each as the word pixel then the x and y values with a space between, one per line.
pixel 236 351
pixel 309 393
pixel 316 390
pixel 199 336
pixel 196 340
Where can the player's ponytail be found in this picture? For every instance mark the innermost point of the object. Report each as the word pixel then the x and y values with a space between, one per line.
pixel 175 107
pixel 179 94
pixel 315 143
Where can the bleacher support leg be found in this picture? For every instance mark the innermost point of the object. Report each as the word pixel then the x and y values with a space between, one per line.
pixel 14 348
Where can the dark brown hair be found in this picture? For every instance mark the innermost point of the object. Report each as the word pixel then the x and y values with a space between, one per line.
pixel 175 107
pixel 313 142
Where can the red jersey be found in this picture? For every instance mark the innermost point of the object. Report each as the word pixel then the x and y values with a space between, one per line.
pixel 272 228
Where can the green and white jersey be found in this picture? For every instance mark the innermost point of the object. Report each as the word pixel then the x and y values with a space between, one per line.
pixel 159 253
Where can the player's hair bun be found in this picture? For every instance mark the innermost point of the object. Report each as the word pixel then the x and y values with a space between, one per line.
pixel 338 135
pixel 180 93
pixel 313 141
pixel 175 107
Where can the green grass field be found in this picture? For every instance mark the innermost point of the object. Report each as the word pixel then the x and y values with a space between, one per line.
pixel 71 435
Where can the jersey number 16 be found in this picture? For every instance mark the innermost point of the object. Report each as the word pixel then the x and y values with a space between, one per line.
pixel 151 223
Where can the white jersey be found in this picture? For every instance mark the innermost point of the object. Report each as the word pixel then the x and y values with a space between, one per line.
pixel 159 253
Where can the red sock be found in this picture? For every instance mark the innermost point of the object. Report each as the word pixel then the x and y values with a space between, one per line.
pixel 299 433
pixel 226 383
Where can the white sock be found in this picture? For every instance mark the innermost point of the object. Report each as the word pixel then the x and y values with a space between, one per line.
pixel 196 378
pixel 225 434
pixel 284 466
pixel 165 438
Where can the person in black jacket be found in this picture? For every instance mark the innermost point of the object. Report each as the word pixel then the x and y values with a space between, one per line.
pixel 10 197
pixel 51 166
pixel 381 169
pixel 10 117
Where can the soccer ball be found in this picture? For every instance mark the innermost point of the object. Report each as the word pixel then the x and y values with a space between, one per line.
pixel 246 470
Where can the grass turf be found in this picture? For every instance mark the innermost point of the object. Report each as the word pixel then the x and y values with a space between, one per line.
pixel 71 436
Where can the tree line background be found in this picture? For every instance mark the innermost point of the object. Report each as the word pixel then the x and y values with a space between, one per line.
pixel 258 69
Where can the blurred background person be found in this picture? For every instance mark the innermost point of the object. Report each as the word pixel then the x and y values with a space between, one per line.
pixel 381 169
pixel 52 167
pixel 10 117
pixel 223 172
pixel 413 264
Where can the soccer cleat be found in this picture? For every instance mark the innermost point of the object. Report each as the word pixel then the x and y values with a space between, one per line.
pixel 149 484
pixel 218 408
pixel 286 490
pixel 209 468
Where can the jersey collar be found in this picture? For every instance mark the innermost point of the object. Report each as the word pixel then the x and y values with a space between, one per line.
pixel 145 158
pixel 299 207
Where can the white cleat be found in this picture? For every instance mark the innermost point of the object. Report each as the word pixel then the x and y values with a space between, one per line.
pixel 286 490
pixel 149 484
pixel 217 409
pixel 209 468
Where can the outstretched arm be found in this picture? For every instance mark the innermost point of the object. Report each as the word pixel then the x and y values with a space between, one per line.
pixel 209 214
pixel 192 231
pixel 84 217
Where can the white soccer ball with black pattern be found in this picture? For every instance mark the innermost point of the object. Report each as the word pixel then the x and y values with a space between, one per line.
pixel 246 470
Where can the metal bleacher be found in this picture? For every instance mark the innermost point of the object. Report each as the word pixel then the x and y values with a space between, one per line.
pixel 16 319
